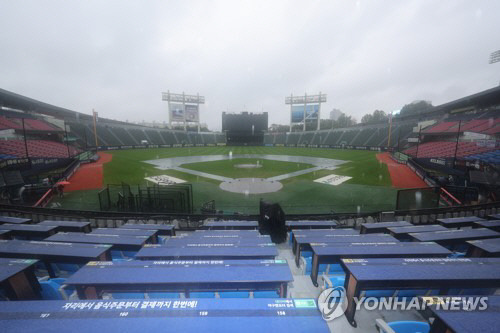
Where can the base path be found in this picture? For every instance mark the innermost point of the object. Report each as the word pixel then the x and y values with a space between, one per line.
pixel 401 175
pixel 89 176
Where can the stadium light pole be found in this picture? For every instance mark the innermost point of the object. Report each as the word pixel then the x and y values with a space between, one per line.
pixel 67 139
pixel 24 137
pixel 494 58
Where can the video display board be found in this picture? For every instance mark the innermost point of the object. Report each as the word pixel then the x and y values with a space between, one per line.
pixel 298 112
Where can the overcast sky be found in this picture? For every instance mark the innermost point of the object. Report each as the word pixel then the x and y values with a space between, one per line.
pixel 118 56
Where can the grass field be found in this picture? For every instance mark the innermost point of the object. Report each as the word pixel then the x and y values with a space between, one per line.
pixel 227 168
pixel 368 190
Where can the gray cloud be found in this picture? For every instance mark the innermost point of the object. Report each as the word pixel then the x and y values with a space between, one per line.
pixel 118 56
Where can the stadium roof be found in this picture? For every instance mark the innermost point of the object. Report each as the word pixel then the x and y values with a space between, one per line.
pixel 19 102
pixel 481 99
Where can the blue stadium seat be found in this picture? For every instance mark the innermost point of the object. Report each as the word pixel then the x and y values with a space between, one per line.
pixel 266 294
pixel 308 261
pixel 164 295
pixel 336 269
pixel 306 254
pixel 69 268
pixel 67 290
pixel 402 326
pixel 50 291
pixel 457 255
pixel 120 259
pixel 379 293
pixel 116 254
pixel 129 254
pixel 202 294
pixel 234 294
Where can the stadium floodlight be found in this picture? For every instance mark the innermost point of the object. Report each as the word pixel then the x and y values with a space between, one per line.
pixel 495 57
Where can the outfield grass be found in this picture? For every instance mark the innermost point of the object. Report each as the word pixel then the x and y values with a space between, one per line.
pixel 368 190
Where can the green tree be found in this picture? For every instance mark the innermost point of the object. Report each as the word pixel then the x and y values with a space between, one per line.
pixel 415 108
pixel 378 116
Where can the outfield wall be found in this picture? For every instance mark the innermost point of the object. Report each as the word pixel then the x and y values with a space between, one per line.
pixel 179 145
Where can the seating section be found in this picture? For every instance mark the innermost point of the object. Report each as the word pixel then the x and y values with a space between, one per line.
pixel 138 134
pixel 488 157
pixel 114 135
pixel 168 137
pixel 37 148
pixel 485 126
pixel 363 136
pixel 374 136
pixel 154 137
pixel 446 149
pixel 30 124
pixel 124 136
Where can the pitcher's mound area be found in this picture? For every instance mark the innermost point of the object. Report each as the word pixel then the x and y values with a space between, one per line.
pixel 251 186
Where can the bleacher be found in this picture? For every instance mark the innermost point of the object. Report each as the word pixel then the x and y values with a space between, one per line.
pixel 106 137
pixel 137 134
pixel 182 137
pixel 168 137
pixel 446 149
pixel 30 124
pixel 306 138
pixel 363 136
pixel 82 132
pixel 37 148
pixel 125 137
pixel 156 263
pixel 209 138
pixel 154 137
pixel 484 126
pixel 293 138
pixel 488 157
pixel 379 137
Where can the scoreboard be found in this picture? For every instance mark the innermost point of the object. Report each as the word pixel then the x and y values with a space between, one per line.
pixel 245 128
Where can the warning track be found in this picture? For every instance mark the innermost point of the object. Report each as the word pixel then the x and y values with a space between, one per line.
pixel 401 175
pixel 89 176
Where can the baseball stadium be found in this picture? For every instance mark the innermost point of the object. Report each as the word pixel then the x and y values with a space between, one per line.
pixel 244 204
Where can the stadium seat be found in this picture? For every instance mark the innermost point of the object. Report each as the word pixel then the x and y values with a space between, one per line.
pixel 307 262
pixel 234 294
pixel 50 290
pixel 265 294
pixel 306 254
pixel 68 268
pixel 379 293
pixel 402 326
pixel 68 291
pixel 330 281
pixel 129 254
